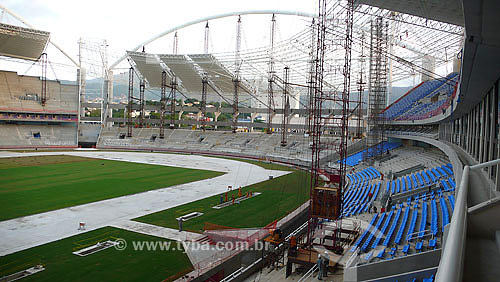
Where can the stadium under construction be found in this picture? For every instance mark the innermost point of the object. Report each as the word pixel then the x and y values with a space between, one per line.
pixel 356 142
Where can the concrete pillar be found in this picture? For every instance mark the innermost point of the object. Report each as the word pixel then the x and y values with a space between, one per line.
pixel 252 119
pixel 491 129
pixel 469 132
pixel 216 115
pixel 198 117
pixel 478 130
pixel 475 133
pixel 482 123
pixel 180 116
pixel 493 124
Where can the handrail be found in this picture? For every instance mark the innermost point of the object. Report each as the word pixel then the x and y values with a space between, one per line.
pixel 309 273
pixel 452 258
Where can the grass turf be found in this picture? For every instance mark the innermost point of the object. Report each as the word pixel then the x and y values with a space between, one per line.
pixel 31 185
pixel 279 197
pixel 106 265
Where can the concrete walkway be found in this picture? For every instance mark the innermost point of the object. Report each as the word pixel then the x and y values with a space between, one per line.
pixel 30 231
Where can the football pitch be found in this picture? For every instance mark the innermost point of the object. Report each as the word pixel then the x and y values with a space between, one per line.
pixel 279 196
pixel 110 264
pixel 31 185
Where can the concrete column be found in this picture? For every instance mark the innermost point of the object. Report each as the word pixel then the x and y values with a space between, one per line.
pixel 198 117
pixel 496 100
pixel 486 126
pixel 491 129
pixel 180 115
pixel 475 132
pixel 463 131
pixel 469 132
pixel 478 130
pixel 252 119
pixel 216 115
pixel 482 123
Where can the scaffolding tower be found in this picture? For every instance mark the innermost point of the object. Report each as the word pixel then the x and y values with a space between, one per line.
pixel 326 201
pixel 163 102
pixel 377 88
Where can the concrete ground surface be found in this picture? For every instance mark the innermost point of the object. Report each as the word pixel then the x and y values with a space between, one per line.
pixel 30 231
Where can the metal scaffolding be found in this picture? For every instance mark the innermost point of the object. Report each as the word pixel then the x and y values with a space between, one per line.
pixel 236 79
pixel 130 98
pixel 361 84
pixel 285 106
pixel 203 107
pixel 326 199
pixel 377 87
pixel 44 62
pixel 163 102
pixel 142 87
pixel 173 89
pixel 270 94
pixel 310 82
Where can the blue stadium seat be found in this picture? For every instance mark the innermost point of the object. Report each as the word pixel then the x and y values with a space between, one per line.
pixel 406 248
pixel 444 212
pixel 423 220
pixel 432 243
pixel 402 227
pixel 356 244
pixel 382 231
pixel 366 244
pixel 391 230
pixel 381 253
pixel 418 246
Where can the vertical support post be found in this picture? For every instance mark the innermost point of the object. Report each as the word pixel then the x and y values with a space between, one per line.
pixel 163 102
pixel 361 84
pixel 173 102
pixel 235 104
pixel 377 88
pixel 43 60
pixel 204 84
pixel 130 97
pixel 310 82
pixel 270 94
pixel 176 44
pixel 141 102
pixel 236 79
pixel 285 108
pixel 206 41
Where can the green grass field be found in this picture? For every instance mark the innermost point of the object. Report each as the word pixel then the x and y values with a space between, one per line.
pixel 279 197
pixel 107 265
pixel 31 185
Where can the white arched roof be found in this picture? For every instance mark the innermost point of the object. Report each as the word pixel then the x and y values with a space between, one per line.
pixel 208 18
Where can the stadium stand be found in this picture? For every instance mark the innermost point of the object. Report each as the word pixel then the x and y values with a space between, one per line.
pixel 418 203
pixel 426 100
pixel 355 159
pixel 25 123
pixel 255 144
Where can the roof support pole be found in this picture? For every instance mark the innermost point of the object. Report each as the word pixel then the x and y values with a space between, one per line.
pixel 130 97
pixel 270 95
pixel 162 103
pixel 236 79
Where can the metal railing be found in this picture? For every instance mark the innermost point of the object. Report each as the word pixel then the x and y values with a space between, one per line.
pixel 309 273
pixel 452 259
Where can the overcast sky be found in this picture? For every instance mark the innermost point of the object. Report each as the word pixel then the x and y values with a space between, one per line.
pixel 125 24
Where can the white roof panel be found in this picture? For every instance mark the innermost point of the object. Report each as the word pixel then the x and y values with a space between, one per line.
pixel 149 67
pixel 22 43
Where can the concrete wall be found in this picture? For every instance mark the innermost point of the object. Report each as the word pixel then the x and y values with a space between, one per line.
pixel 397 266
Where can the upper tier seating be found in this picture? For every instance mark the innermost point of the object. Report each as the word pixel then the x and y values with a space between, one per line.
pixel 424 101
pixel 19 93
pixel 356 158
